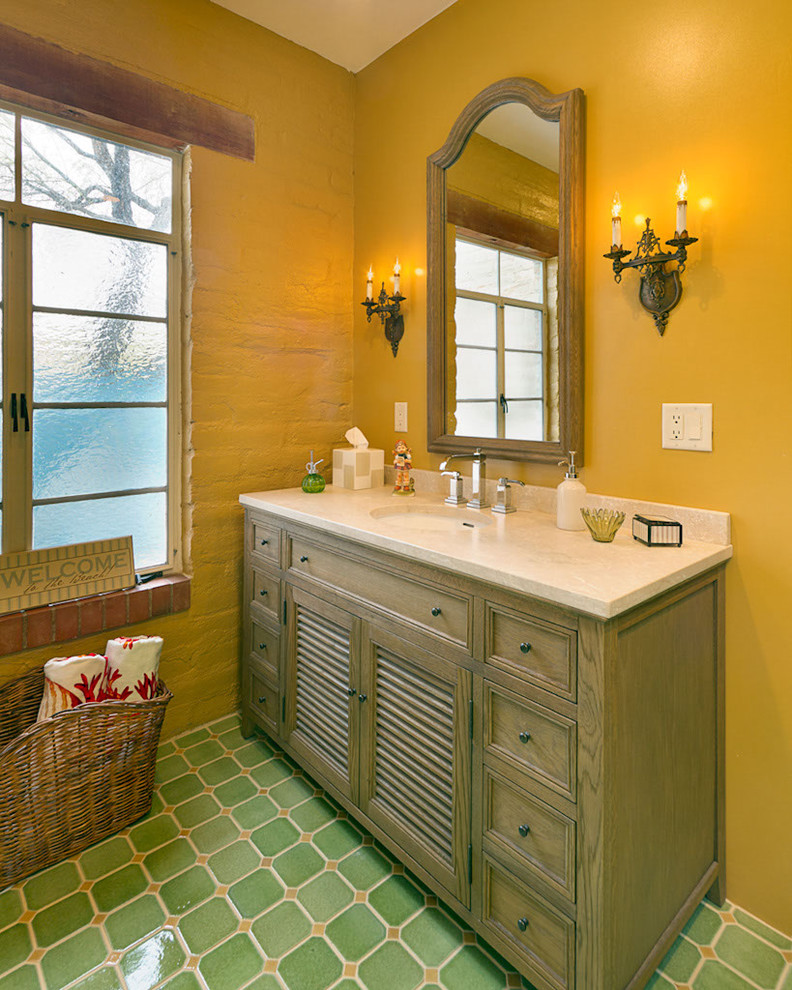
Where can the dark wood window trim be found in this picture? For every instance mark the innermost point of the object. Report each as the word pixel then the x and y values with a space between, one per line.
pixel 43 76
pixel 500 225
pixel 40 627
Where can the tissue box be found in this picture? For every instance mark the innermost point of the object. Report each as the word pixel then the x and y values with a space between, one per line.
pixel 358 467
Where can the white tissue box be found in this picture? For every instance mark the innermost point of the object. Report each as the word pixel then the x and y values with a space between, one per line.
pixel 358 467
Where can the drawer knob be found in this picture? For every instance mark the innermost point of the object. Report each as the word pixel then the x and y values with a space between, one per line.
pixel 524 737
pixel 303 560
pixel 525 647
pixel 264 542
pixel 351 692
pixel 522 924
pixel 263 592
pixel 262 646
pixel 262 699
pixel 362 697
pixel 523 830
pixel 435 611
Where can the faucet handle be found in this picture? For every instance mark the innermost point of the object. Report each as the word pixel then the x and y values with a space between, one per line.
pixel 503 504
pixel 451 474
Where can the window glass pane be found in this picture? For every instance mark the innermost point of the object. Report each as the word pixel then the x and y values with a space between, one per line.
pixel 75 269
pixel 523 373
pixel 144 516
pixel 476 374
pixel 475 322
pixel 83 358
pixel 522 328
pixel 7 173
pixel 81 451
pixel 524 420
pixel 521 278
pixel 78 173
pixel 477 419
pixel 476 268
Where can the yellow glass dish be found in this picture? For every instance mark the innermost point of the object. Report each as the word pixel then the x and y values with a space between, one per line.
pixel 603 524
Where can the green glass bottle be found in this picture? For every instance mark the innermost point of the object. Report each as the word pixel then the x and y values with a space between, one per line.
pixel 313 482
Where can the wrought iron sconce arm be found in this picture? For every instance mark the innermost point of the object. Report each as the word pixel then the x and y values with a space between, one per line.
pixel 660 290
pixel 388 309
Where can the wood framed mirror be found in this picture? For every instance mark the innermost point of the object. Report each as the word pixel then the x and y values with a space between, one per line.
pixel 505 243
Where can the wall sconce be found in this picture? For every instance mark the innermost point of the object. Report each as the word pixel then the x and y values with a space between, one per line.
pixel 388 312
pixel 660 290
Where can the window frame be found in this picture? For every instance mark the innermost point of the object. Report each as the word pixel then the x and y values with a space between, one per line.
pixel 17 335
pixel 501 302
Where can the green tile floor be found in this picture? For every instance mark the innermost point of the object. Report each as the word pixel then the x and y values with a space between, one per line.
pixel 245 875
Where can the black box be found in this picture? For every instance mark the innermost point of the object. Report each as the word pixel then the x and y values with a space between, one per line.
pixel 657 531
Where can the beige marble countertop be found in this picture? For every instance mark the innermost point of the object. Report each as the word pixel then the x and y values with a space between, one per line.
pixel 523 551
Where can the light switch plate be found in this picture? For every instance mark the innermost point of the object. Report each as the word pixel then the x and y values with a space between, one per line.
pixel 687 425
pixel 400 417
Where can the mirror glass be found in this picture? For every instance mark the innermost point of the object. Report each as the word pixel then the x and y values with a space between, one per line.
pixel 502 263
pixel 505 368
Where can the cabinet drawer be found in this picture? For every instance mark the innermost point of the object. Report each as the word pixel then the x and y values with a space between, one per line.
pixel 533 649
pixel 438 611
pixel 527 830
pixel 262 696
pixel 265 592
pixel 530 737
pixel 544 937
pixel 265 646
pixel 264 541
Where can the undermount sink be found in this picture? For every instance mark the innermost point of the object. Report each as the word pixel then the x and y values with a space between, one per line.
pixel 435 518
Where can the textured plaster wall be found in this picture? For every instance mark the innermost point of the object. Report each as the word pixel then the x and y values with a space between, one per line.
pixel 269 353
pixel 705 87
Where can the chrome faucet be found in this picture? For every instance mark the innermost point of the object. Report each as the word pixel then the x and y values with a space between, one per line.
pixel 478 497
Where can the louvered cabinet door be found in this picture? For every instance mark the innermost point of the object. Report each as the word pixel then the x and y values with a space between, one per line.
pixel 416 755
pixel 321 718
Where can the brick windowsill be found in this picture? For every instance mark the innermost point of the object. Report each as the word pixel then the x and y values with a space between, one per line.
pixel 37 627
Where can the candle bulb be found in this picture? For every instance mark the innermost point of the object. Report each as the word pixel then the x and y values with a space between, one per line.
pixel 396 278
pixel 616 222
pixel 681 208
pixel 370 284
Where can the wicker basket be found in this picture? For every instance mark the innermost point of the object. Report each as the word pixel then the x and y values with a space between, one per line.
pixel 72 779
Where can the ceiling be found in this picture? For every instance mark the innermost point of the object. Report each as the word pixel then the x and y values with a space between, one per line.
pixel 351 33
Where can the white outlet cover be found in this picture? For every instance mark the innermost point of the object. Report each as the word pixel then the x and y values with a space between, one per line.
pixel 687 426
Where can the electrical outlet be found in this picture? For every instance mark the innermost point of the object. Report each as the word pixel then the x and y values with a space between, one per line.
pixel 400 417
pixel 687 426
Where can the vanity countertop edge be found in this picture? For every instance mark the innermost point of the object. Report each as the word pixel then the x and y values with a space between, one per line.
pixel 523 551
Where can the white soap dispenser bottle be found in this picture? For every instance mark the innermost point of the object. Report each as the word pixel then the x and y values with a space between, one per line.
pixel 570 498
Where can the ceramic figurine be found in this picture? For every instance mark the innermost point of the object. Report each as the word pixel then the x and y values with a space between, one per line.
pixel 402 461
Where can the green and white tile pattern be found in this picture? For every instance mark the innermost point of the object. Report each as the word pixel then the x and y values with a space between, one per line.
pixel 245 875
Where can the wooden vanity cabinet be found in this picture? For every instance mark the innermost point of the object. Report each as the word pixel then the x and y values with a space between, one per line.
pixel 556 778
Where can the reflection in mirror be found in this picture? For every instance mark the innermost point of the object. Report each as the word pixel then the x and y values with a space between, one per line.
pixel 504 239
pixel 502 260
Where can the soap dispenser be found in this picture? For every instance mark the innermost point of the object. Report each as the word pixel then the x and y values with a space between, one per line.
pixel 570 498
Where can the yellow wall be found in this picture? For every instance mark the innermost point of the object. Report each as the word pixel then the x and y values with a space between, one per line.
pixel 506 179
pixel 705 87
pixel 271 322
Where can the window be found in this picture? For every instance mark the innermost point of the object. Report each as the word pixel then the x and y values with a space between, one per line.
pixel 501 342
pixel 89 310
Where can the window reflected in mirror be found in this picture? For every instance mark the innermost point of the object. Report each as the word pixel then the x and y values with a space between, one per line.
pixel 504 328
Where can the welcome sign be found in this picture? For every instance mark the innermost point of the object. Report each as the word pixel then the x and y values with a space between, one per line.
pixel 57 574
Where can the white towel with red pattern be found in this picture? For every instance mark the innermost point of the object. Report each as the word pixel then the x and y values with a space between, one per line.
pixel 71 681
pixel 132 667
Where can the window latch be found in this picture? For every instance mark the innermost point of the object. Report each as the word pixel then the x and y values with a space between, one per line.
pixel 503 403
pixel 14 420
pixel 23 411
